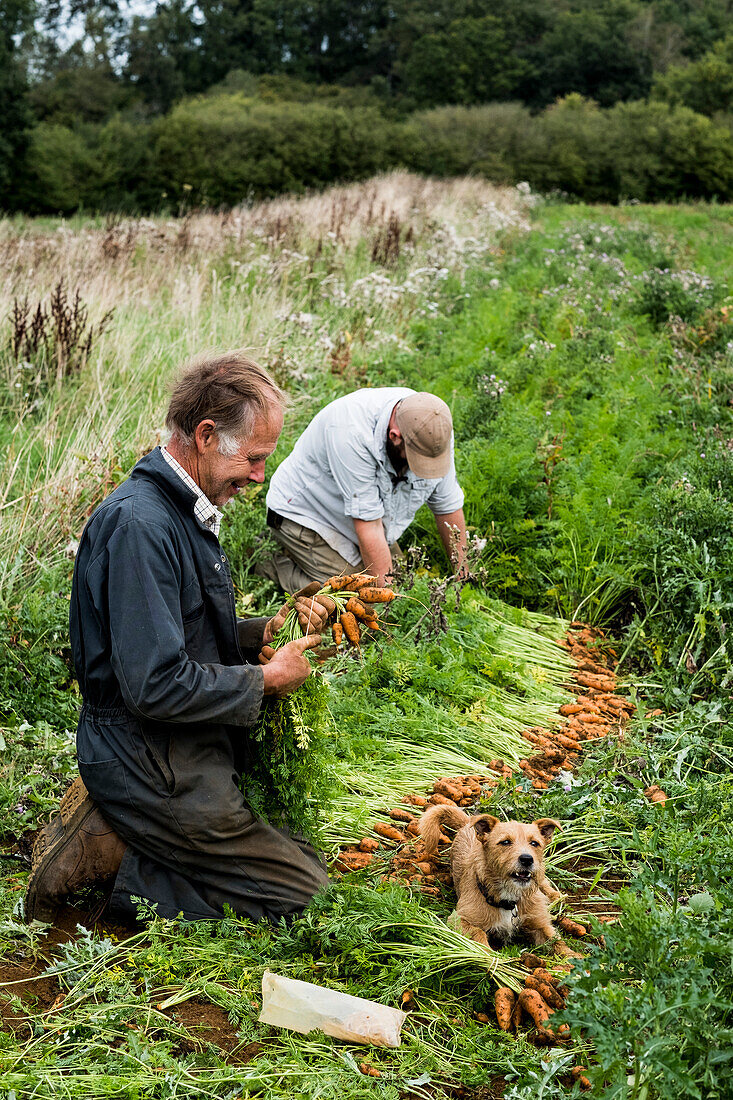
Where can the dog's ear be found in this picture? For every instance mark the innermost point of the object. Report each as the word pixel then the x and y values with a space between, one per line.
pixel 483 826
pixel 547 826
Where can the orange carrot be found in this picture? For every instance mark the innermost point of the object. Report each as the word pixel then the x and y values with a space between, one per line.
pixel 388 832
pixel 355 861
pixel 340 584
pixel 357 609
pixel 351 628
pixel 551 978
pixel 338 633
pixel 361 580
pixel 504 1001
pixel 450 790
pixel 545 990
pixel 377 595
pixel 401 815
pixel 532 962
pixel 571 927
pixel 578 1074
pixel 566 742
pixel 535 1006
pixel 587 679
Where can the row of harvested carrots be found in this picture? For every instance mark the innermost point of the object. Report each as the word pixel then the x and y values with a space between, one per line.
pixel 594 713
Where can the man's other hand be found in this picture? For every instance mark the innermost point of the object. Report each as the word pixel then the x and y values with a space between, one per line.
pixel 287 668
pixel 312 613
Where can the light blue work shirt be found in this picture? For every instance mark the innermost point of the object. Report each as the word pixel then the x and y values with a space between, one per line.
pixel 338 471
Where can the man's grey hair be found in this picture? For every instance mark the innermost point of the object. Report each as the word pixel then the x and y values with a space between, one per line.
pixel 229 444
pixel 232 390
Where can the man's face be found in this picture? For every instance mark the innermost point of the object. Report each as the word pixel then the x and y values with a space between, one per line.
pixel 220 476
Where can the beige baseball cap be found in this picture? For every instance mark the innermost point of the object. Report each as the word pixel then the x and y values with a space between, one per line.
pixel 426 426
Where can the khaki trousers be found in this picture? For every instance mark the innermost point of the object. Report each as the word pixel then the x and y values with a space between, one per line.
pixel 305 557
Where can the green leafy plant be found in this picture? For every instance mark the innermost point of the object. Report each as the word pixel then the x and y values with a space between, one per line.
pixel 656 999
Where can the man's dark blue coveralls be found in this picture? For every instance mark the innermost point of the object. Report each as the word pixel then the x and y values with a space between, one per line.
pixel 162 663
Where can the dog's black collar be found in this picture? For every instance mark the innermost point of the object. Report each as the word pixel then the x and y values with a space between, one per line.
pixel 501 904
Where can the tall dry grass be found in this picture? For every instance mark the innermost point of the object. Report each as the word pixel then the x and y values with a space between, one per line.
pixel 312 285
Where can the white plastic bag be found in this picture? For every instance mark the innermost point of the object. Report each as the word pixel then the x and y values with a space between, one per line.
pixel 304 1007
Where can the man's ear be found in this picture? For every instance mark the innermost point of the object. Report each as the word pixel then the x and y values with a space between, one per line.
pixel 547 826
pixel 394 435
pixel 203 435
pixel 483 826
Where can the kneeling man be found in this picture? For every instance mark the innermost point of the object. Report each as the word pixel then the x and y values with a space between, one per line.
pixel 171 681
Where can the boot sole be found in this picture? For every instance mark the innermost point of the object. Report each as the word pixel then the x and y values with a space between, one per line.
pixel 75 814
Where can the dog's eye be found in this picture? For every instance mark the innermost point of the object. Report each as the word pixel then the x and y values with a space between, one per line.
pixel 505 841
pixel 535 843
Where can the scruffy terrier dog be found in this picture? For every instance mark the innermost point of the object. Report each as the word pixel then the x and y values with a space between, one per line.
pixel 498 874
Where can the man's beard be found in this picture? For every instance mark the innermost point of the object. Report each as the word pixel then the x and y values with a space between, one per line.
pixel 399 464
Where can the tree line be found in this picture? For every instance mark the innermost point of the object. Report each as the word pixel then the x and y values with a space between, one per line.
pixel 95 100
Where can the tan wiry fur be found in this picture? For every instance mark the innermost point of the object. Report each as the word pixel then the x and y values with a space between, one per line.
pixel 496 854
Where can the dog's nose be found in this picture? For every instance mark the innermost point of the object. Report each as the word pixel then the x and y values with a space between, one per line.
pixel 526 859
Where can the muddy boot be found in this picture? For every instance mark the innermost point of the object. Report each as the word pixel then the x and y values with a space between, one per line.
pixel 77 848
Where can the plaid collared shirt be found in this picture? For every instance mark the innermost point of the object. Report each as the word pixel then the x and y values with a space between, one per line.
pixel 206 513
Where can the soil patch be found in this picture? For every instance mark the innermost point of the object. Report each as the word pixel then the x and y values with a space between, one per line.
pixel 26 980
pixel 208 1023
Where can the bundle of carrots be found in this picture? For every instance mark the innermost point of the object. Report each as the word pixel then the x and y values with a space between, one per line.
pixel 543 994
pixel 350 602
pixel 355 597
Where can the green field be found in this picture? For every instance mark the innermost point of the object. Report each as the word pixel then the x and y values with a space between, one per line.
pixel 587 355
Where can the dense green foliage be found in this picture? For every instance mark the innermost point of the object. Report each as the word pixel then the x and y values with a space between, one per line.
pixel 705 85
pixel 410 51
pixel 15 116
pixel 224 149
pixel 221 101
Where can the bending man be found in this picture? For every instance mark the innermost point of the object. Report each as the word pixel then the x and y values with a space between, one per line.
pixel 354 481
pixel 171 680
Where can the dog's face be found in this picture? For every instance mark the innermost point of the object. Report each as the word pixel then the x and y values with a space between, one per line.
pixel 512 850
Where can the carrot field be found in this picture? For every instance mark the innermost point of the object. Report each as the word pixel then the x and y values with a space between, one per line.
pixel 583 672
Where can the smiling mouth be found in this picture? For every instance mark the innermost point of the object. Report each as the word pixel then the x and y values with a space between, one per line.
pixel 522 876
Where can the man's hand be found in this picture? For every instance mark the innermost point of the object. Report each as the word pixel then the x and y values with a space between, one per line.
pixel 312 613
pixel 285 669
